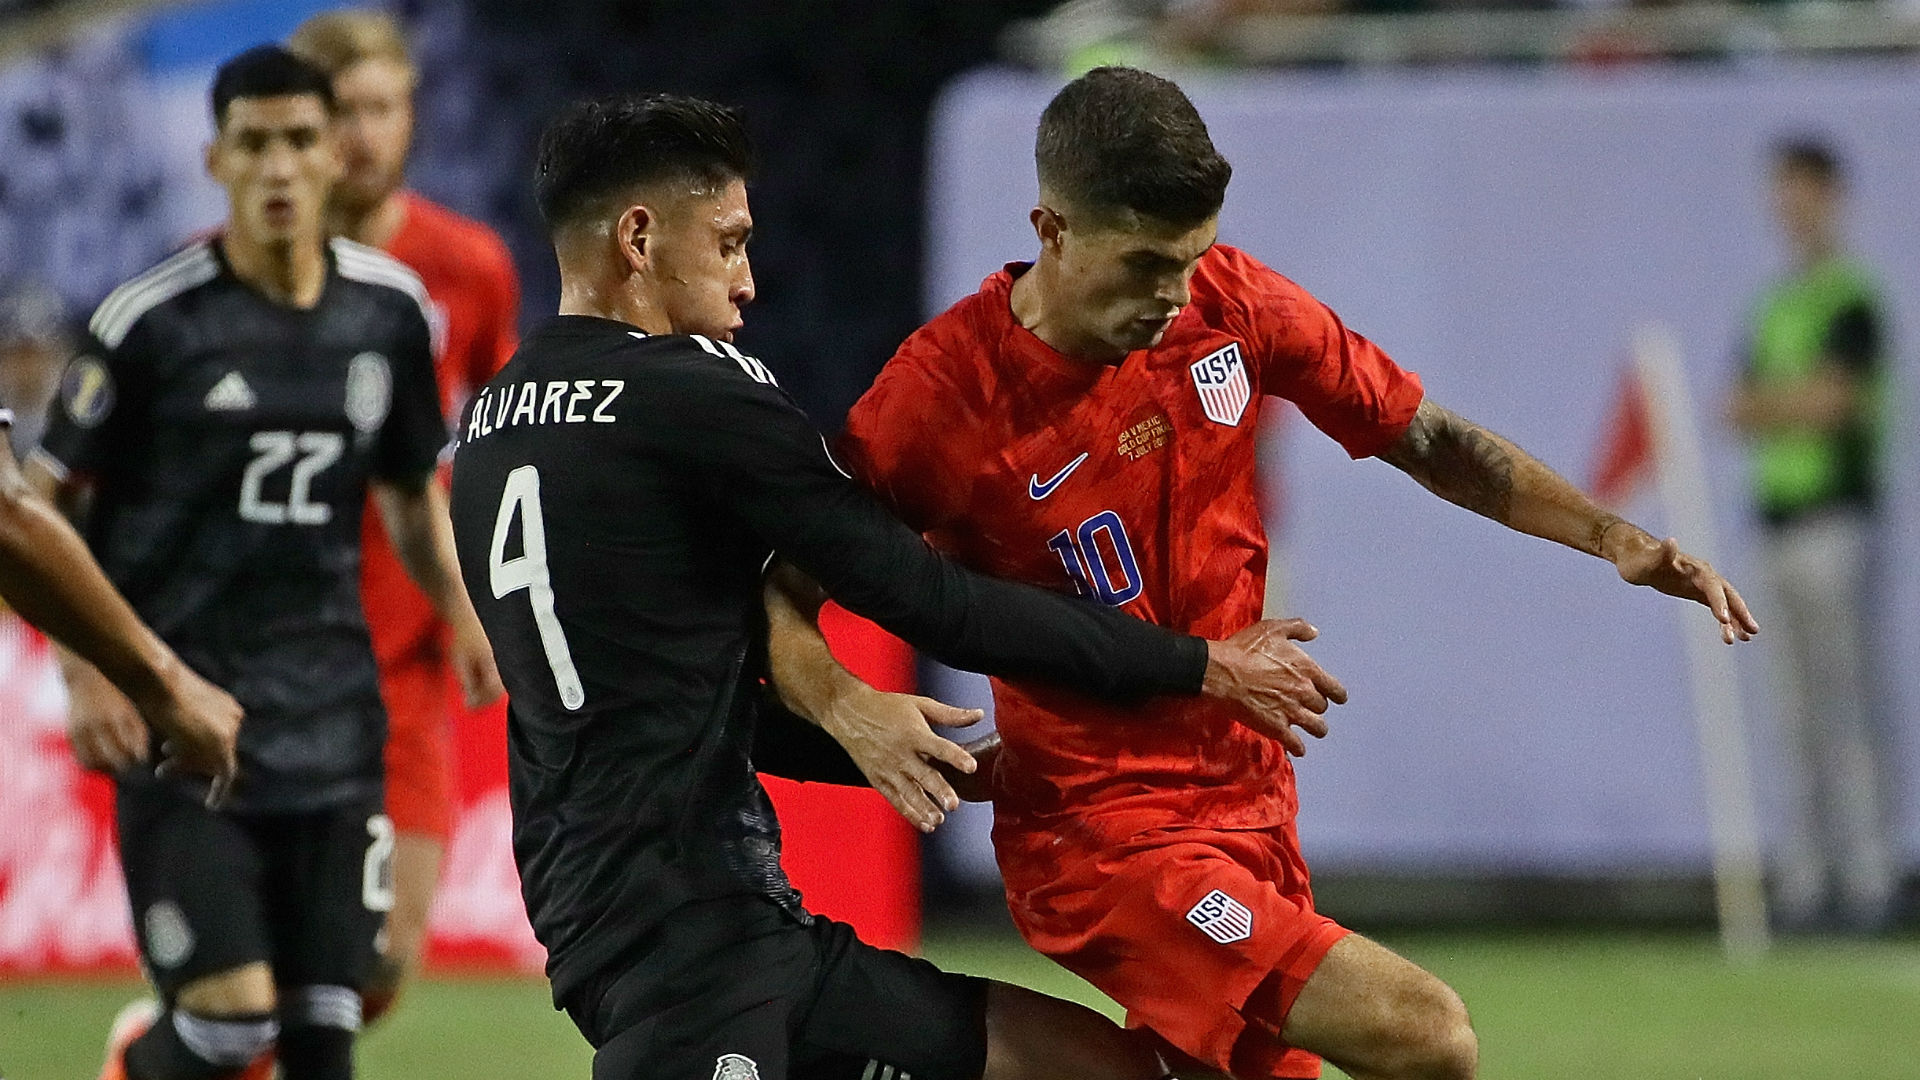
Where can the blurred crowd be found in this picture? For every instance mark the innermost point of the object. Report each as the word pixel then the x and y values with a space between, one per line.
pixel 1081 34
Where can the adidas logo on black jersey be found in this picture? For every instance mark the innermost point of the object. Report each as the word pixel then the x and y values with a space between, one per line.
pixel 230 394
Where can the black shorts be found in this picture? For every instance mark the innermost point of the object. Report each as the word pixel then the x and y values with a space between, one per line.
pixel 737 989
pixel 214 890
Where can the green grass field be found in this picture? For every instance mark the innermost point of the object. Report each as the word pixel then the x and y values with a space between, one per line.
pixel 1548 1007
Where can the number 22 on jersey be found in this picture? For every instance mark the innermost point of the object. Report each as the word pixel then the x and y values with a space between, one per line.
pixel 315 449
pixel 521 499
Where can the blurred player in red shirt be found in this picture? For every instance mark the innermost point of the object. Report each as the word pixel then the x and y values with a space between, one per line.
pixel 475 296
pixel 1088 422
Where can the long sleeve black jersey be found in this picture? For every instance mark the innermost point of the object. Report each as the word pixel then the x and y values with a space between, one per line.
pixel 616 499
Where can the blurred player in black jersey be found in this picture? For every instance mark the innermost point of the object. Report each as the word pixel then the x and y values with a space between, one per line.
pixel 619 490
pixel 228 414
pixel 52 581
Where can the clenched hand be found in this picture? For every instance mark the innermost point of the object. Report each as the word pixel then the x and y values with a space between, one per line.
pixel 199 725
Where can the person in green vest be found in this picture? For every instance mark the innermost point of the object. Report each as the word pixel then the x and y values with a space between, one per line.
pixel 1809 407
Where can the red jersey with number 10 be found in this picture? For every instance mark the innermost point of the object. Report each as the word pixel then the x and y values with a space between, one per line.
pixel 1133 484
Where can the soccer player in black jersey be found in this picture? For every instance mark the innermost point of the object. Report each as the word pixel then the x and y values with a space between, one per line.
pixel 51 579
pixel 619 489
pixel 229 412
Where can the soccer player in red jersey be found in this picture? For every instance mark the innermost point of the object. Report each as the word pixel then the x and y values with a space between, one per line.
pixel 475 296
pixel 1087 422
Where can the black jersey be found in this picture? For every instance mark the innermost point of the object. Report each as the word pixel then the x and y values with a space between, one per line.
pixel 616 498
pixel 229 441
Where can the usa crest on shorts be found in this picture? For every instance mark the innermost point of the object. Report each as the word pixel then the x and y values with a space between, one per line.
pixel 1221 379
pixel 1222 918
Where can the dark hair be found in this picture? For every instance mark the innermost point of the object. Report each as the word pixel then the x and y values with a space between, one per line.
pixel 267 71
pixel 1810 156
pixel 1120 139
pixel 594 149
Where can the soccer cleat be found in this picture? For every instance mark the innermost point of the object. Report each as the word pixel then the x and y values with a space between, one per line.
pixel 375 1004
pixel 132 1021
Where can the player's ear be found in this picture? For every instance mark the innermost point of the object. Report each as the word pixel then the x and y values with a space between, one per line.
pixel 632 236
pixel 1047 225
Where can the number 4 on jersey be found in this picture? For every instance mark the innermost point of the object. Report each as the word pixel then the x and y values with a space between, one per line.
pixel 521 499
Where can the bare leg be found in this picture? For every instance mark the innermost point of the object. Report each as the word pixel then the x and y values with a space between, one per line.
pixel 416 873
pixel 241 991
pixel 1034 1037
pixel 1380 1017
pixel 214 1026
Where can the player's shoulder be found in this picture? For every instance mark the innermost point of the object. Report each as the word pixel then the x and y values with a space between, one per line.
pixel 1858 283
pixel 1232 285
pixel 372 267
pixel 704 357
pixel 1228 270
pixel 589 345
pixel 139 297
pixel 451 236
pixel 445 222
pixel 964 338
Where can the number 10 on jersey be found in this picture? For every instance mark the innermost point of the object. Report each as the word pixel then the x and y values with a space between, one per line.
pixel 521 499
pixel 1085 557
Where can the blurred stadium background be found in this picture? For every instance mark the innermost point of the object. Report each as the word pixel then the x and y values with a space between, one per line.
pixel 1501 193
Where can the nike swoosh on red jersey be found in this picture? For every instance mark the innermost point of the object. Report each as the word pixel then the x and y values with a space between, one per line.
pixel 1039 491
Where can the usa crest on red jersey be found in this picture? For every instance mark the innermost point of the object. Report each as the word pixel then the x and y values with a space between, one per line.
pixel 1221 378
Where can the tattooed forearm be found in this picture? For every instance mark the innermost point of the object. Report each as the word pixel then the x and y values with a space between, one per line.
pixel 1597 536
pixel 1464 463
pixel 1458 460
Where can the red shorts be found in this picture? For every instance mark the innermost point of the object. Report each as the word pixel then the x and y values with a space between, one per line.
pixel 1205 937
pixel 418 693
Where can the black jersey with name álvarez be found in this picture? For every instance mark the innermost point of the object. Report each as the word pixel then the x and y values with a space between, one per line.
pixel 616 499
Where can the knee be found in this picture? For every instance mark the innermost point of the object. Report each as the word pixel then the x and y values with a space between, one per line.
pixel 243 991
pixel 1031 1035
pixel 1443 1046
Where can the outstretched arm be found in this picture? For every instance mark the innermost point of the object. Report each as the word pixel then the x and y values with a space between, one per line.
pixel 1466 464
pixel 756 454
pixel 51 579
pixel 1282 691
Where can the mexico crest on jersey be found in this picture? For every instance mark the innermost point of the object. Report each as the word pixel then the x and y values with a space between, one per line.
pixel 369 392
pixel 1220 377
pixel 735 1067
